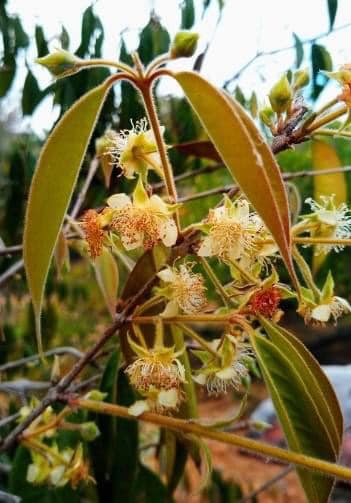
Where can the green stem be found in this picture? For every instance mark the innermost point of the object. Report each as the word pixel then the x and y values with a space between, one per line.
pixel 328 105
pixel 326 119
pixel 191 401
pixel 183 318
pixel 330 469
pixel 105 62
pixel 193 335
pixel 217 284
pixel 306 272
pixel 160 60
pixel 245 274
pixel 322 241
pixel 332 132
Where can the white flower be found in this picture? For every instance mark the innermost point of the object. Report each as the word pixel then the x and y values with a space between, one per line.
pixel 143 222
pixel 335 308
pixel 231 231
pixel 160 401
pixel 135 150
pixel 228 370
pixel 184 288
pixel 330 221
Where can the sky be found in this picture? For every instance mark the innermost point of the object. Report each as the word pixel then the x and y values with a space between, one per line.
pixel 246 26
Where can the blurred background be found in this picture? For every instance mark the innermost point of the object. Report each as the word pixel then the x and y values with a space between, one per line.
pixel 245 46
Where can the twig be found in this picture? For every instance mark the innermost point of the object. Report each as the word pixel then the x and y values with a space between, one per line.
pixel 261 54
pixel 30 359
pixel 11 271
pixel 10 250
pixel 9 498
pixel 280 475
pixel 9 419
pixel 22 387
pixel 156 187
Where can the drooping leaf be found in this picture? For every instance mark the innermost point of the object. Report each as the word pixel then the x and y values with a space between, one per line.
pixel 22 39
pixel 324 156
pixel 332 8
pixel 321 60
pixel 246 155
pixel 87 30
pixel 188 14
pixel 31 95
pixel 107 276
pixel 7 74
pixel 305 403
pixel 154 40
pixel 298 50
pixel 51 190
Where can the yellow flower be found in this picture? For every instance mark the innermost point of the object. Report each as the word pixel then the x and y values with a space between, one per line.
pixel 94 233
pixel 184 289
pixel 143 222
pixel 228 370
pixel 135 151
pixel 231 231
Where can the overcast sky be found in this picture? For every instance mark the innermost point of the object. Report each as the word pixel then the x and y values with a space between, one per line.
pixel 246 27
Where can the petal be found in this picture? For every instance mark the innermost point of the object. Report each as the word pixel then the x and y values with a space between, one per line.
pixel 167 275
pixel 242 211
pixel 168 232
pixel 321 313
pixel 205 249
pixel 226 373
pixel 200 379
pixel 132 245
pixel 168 398
pixel 119 201
pixel 328 217
pixel 138 408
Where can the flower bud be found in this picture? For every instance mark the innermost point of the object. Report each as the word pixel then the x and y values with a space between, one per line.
pixel 60 63
pixel 301 78
pixel 343 76
pixel 280 95
pixel 89 431
pixel 266 115
pixel 184 44
pixel 95 394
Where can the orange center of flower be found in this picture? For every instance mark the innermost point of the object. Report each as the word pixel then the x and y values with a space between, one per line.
pixel 94 233
pixel 265 301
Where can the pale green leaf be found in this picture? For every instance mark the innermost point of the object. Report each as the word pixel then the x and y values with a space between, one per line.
pixel 51 190
pixel 305 402
pixel 107 276
pixel 246 155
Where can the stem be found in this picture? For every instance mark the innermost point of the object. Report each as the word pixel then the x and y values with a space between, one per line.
pixel 306 272
pixel 46 427
pixel 325 107
pixel 193 335
pixel 160 60
pixel 332 132
pixel 313 241
pixel 245 274
pixel 326 119
pixel 217 284
pixel 191 401
pixel 146 92
pixel 183 318
pixel 44 450
pixel 331 469
pixel 106 62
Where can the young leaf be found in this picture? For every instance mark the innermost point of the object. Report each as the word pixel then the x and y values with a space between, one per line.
pixel 188 14
pixel 51 190
pixel 321 60
pixel 107 276
pixel 299 50
pixel 246 155
pixel 31 95
pixel 304 400
pixel 324 156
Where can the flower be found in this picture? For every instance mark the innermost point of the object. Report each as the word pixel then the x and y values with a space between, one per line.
pixel 135 150
pixel 144 221
pixel 94 233
pixel 226 371
pixel 336 307
pixel 328 221
pixel 265 301
pixel 231 230
pixel 160 401
pixel 184 288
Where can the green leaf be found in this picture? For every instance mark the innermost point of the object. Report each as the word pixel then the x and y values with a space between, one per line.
pixel 299 50
pixel 324 156
pixel 246 155
pixel 305 402
pixel 31 95
pixel 7 74
pixel 51 190
pixel 107 276
pixel 42 46
pixel 321 60
pixel 22 39
pixel 149 487
pixel 332 8
pixel 87 30
pixel 188 14
pixel 64 38
pixel 154 40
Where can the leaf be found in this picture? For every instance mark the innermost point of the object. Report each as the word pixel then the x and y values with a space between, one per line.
pixel 321 60
pixel 299 50
pixel 51 190
pixel 246 155
pixel 205 462
pixel 305 402
pixel 106 271
pixel 64 38
pixel 324 156
pixel 31 95
pixel 188 14
pixel 87 30
pixel 22 39
pixel 150 488
pixel 7 74
pixel 61 253
pixel 42 46
pixel 154 40
pixel 332 8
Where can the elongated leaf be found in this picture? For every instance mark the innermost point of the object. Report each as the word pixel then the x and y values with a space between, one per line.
pixel 321 60
pixel 332 8
pixel 245 154
pixel 51 190
pixel 305 402
pixel 200 148
pixel 188 14
pixel 299 50
pixel 106 271
pixel 324 156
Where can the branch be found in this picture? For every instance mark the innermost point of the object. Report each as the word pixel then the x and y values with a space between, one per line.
pixel 261 54
pixel 280 475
